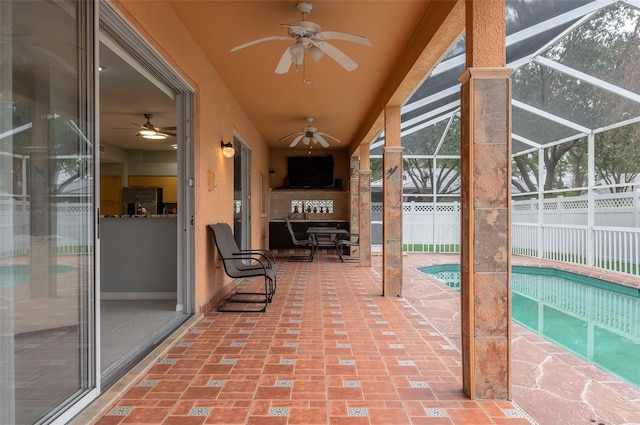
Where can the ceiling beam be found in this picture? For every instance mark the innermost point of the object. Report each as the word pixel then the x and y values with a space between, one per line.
pixel 439 28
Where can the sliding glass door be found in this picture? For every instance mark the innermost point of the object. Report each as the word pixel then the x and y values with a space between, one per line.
pixel 47 338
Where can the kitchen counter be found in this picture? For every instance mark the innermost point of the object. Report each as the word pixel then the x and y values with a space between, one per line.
pixel 139 257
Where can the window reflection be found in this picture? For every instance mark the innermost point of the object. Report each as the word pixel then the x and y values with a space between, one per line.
pixel 46 210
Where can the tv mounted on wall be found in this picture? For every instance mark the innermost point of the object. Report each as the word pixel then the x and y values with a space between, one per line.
pixel 310 171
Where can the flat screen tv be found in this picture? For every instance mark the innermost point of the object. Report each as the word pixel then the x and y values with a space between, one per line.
pixel 310 171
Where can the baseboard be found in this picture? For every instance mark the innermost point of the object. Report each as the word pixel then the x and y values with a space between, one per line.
pixel 219 296
pixel 138 295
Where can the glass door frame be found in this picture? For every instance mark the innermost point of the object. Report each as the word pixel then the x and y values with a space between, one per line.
pixel 243 159
pixel 116 28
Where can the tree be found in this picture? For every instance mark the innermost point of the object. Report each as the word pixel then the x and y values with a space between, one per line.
pixel 446 176
pixel 376 168
pixel 605 46
pixel 617 156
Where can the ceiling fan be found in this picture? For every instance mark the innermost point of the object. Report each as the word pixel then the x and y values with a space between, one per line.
pixel 307 35
pixel 309 135
pixel 149 131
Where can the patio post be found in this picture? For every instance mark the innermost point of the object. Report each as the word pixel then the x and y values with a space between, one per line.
pixel 485 259
pixel 354 201
pixel 392 204
pixel 365 206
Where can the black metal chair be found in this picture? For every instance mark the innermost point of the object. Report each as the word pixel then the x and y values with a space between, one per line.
pixel 242 264
pixel 349 241
pixel 307 242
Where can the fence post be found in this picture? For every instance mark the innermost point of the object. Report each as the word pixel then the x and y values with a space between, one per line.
pixel 559 208
pixel 434 216
pixel 539 228
pixel 636 206
pixel 591 205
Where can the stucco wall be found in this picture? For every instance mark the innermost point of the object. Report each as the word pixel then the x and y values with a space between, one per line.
pixel 218 116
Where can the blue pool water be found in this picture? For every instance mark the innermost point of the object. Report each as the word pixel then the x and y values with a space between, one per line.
pixel 17 274
pixel 595 319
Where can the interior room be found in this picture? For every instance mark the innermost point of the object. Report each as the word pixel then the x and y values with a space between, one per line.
pixel 138 209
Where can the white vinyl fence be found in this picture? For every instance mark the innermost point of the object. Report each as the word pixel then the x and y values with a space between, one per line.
pixel 70 223
pixel 613 243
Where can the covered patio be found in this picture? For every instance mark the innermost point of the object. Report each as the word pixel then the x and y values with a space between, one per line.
pixel 331 349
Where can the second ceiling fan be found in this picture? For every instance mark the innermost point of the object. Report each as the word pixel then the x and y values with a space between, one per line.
pixel 309 135
pixel 308 36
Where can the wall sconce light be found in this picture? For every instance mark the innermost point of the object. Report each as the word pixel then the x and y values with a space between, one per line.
pixel 272 173
pixel 227 149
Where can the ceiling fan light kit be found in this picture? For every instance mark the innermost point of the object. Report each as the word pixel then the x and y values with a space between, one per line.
pixel 157 136
pixel 149 131
pixel 309 36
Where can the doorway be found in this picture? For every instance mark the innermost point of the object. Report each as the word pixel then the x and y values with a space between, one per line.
pixel 146 244
pixel 242 194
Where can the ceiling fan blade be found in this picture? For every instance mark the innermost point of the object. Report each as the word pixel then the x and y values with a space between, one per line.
pixel 296 140
pixel 261 40
pixel 165 129
pixel 329 136
pixel 321 140
pixel 288 135
pixel 343 60
pixel 285 62
pixel 336 35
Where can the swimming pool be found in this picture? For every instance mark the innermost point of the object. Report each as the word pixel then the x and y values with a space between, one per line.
pixel 594 319
pixel 18 274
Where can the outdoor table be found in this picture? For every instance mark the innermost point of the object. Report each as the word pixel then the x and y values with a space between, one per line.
pixel 336 233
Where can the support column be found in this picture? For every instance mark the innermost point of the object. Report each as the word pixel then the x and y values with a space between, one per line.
pixel 354 195
pixel 485 263
pixel 392 205
pixel 365 206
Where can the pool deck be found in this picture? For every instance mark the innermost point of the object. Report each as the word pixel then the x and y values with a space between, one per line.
pixel 331 350
pixel 551 384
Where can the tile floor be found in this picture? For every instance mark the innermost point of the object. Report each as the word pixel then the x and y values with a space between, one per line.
pixel 329 349
pixel 127 324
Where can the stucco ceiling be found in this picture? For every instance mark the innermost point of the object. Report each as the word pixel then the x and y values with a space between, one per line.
pixel 407 37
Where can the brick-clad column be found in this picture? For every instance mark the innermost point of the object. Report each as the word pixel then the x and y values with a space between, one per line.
pixel 365 218
pixel 365 206
pixel 354 199
pixel 392 205
pixel 485 262
pixel 485 257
